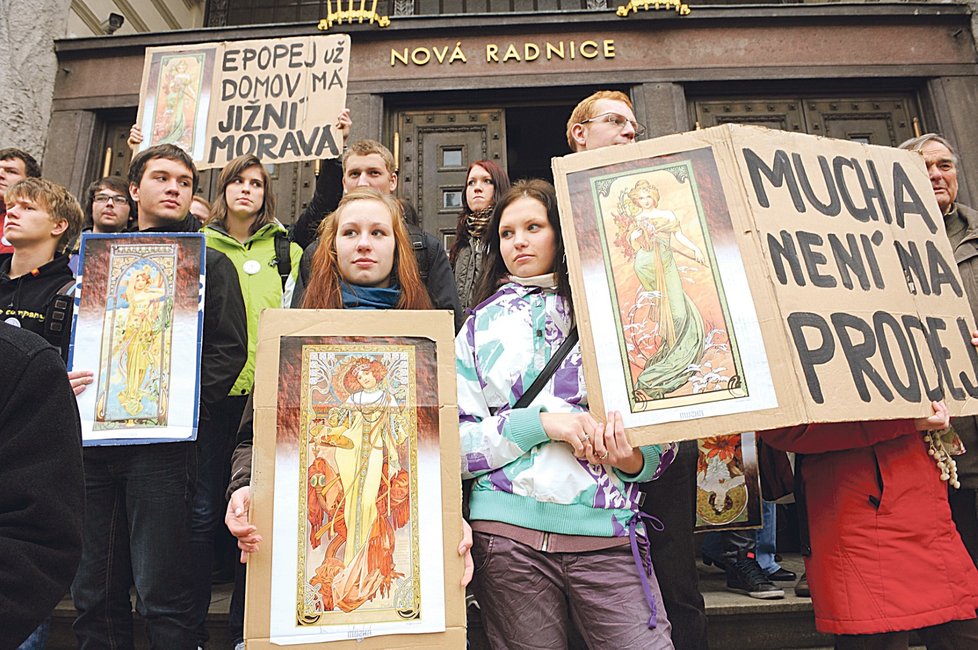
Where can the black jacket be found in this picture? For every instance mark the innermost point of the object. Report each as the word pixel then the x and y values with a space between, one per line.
pixel 27 299
pixel 42 490
pixel 225 345
pixel 329 191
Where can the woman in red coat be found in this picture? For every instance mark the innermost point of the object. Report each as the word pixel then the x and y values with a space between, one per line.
pixel 884 556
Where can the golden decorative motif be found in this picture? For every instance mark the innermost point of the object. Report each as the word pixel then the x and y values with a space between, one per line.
pixel 653 5
pixel 351 15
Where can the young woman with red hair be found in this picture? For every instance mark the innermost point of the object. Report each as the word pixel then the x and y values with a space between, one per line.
pixel 364 261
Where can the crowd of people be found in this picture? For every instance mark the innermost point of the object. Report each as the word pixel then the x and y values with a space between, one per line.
pixel 570 531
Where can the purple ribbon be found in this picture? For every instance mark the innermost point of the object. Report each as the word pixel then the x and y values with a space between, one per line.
pixel 644 564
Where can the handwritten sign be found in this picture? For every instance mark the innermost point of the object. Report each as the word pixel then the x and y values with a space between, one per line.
pixel 276 99
pixel 757 278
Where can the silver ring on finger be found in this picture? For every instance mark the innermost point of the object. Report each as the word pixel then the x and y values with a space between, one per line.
pixel 585 438
pixel 603 456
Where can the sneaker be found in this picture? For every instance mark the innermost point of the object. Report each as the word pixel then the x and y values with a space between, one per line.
pixel 745 576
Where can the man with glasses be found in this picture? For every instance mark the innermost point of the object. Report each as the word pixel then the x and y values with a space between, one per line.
pixel 108 206
pixel 604 119
pixel 108 209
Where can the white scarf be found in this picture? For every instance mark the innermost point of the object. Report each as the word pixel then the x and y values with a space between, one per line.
pixel 545 281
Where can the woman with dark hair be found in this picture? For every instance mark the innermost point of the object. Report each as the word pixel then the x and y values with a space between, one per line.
pixel 242 225
pixel 485 182
pixel 554 503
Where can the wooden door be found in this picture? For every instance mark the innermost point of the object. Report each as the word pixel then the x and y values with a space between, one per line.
pixel 880 120
pixel 885 121
pixel 781 114
pixel 434 150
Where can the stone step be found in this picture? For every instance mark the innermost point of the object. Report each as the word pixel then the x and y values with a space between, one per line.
pixel 736 622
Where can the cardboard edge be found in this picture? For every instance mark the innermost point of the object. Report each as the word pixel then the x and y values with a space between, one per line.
pixel 433 325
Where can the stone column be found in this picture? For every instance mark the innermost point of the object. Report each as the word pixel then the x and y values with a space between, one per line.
pixel 661 107
pixel 27 70
pixel 952 100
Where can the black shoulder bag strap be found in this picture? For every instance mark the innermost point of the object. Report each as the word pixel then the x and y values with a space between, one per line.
pixel 548 370
pixel 57 317
pixel 283 258
pixel 421 254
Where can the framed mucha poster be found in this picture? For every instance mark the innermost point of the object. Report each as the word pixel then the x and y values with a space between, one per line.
pixel 137 325
pixel 356 476
pixel 728 484
pixel 176 95
pixel 742 279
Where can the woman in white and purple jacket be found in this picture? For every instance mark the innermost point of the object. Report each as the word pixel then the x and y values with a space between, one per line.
pixel 554 504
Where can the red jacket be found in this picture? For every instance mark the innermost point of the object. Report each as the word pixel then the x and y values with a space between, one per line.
pixel 885 555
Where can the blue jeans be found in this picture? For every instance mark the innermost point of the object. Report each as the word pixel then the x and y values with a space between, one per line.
pixel 215 442
pixel 38 640
pixel 137 531
pixel 767 538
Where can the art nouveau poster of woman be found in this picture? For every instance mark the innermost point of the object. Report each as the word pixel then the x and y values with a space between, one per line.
pixel 358 489
pixel 140 345
pixel 179 90
pixel 654 237
pixel 670 305
pixel 136 347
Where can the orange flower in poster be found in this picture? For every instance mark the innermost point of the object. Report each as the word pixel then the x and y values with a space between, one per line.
pixel 726 448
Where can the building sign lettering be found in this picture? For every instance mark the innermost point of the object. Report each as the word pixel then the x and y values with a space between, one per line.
pixel 528 52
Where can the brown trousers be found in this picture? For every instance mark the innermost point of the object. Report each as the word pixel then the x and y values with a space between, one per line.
pixel 528 598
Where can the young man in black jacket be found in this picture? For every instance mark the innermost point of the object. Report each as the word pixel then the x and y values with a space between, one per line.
pixel 139 497
pixel 369 163
pixel 42 219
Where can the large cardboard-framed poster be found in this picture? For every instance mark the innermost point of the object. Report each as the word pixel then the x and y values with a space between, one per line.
pixel 356 478
pixel 137 325
pixel 276 98
pixel 750 279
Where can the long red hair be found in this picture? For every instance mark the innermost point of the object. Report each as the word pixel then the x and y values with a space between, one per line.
pixel 323 291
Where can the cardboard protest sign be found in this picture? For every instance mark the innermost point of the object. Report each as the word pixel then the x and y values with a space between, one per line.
pixel 276 99
pixel 356 487
pixel 138 326
pixel 752 279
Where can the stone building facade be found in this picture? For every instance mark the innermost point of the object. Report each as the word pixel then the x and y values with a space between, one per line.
pixel 447 82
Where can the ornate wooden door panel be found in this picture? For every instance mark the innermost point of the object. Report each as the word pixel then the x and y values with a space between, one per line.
pixel 435 150
pixel 884 121
pixel 782 114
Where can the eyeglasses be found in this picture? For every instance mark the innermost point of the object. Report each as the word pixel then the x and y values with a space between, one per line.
pixel 114 199
pixel 618 120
